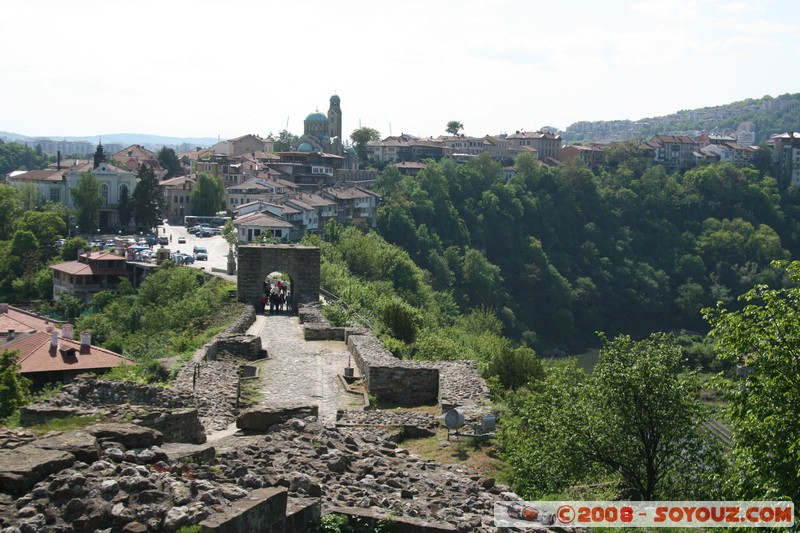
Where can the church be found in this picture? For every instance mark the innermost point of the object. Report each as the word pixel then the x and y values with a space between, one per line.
pixel 323 134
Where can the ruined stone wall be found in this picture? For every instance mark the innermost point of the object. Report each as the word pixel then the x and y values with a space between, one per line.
pixel 209 350
pixel 448 383
pixel 390 379
pixel 169 411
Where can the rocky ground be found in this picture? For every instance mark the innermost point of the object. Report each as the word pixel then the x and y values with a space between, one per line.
pixel 119 487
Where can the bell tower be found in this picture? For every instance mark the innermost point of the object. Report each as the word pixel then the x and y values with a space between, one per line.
pixel 335 124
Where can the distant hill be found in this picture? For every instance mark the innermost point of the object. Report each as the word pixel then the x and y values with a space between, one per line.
pixel 148 141
pixel 770 115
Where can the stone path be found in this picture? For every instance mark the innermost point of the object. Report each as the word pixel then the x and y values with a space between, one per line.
pixel 302 371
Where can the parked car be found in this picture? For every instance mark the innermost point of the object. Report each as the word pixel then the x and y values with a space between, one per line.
pixel 193 229
pixel 181 240
pixel 180 258
pixel 163 241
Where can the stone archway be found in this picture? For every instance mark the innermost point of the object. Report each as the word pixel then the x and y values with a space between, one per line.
pixel 301 263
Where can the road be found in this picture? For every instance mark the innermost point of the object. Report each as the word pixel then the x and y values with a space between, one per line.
pixel 216 245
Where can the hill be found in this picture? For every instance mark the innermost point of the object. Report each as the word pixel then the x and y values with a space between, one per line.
pixel 770 115
pixel 148 141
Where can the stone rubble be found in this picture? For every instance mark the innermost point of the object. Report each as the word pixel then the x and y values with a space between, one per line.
pixel 139 489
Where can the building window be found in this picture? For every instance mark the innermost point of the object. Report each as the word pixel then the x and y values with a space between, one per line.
pixel 104 192
pixel 55 195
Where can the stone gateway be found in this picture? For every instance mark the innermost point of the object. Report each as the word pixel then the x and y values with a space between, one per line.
pixel 301 263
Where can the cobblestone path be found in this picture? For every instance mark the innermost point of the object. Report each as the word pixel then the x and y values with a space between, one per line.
pixel 302 371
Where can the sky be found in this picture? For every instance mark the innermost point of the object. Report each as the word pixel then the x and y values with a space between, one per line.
pixel 210 68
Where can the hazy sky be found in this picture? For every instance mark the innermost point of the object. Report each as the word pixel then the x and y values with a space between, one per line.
pixel 207 68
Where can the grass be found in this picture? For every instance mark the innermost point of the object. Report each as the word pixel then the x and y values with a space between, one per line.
pixel 481 454
pixel 251 388
pixel 64 424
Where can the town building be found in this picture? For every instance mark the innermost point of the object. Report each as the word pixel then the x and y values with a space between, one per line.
pixel 675 152
pixel 786 157
pixel 91 273
pixel 354 205
pixel 178 197
pixel 47 355
pixel 252 225
pixel 134 156
pixel 547 145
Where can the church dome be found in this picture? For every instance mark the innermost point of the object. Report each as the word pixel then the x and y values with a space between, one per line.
pixel 305 147
pixel 316 117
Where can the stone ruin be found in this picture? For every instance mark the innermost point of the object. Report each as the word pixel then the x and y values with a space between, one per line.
pixel 395 381
pixel 149 467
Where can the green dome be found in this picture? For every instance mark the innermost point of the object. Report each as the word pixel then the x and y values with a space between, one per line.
pixel 316 117
pixel 305 147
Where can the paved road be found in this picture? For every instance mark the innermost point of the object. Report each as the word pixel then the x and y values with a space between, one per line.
pixel 300 370
pixel 217 246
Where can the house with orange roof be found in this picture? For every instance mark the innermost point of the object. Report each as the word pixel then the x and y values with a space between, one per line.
pixel 91 273
pixel 47 355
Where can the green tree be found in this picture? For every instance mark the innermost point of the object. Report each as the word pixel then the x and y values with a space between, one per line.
pixel 229 233
pixel 125 209
pixel 69 251
pixel 46 225
pixel 29 197
pixel 634 419
pixel 88 200
pixel 148 201
pixel 169 161
pixel 283 142
pixel 762 337
pixel 14 387
pixel 360 138
pixel 209 195
pixel 453 127
pixel 638 417
pixel 9 207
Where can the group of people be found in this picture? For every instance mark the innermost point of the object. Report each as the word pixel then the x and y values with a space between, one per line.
pixel 277 296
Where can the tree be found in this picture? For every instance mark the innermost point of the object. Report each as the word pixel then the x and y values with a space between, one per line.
pixel 283 143
pixel 360 138
pixel 9 207
pixel 762 337
pixel 634 418
pixel 88 201
pixel 14 387
pixel 148 202
pixel 29 197
pixel 209 195
pixel 169 161
pixel 229 233
pixel 453 127
pixel 125 208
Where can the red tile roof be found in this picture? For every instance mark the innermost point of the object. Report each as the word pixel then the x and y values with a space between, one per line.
pixel 37 355
pixel 22 321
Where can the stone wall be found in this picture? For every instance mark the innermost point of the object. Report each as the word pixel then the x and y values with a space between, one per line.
pixel 448 383
pixel 390 379
pixel 209 350
pixel 169 411
pixel 257 261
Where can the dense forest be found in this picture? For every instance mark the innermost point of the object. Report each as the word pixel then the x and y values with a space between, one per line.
pixel 560 253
